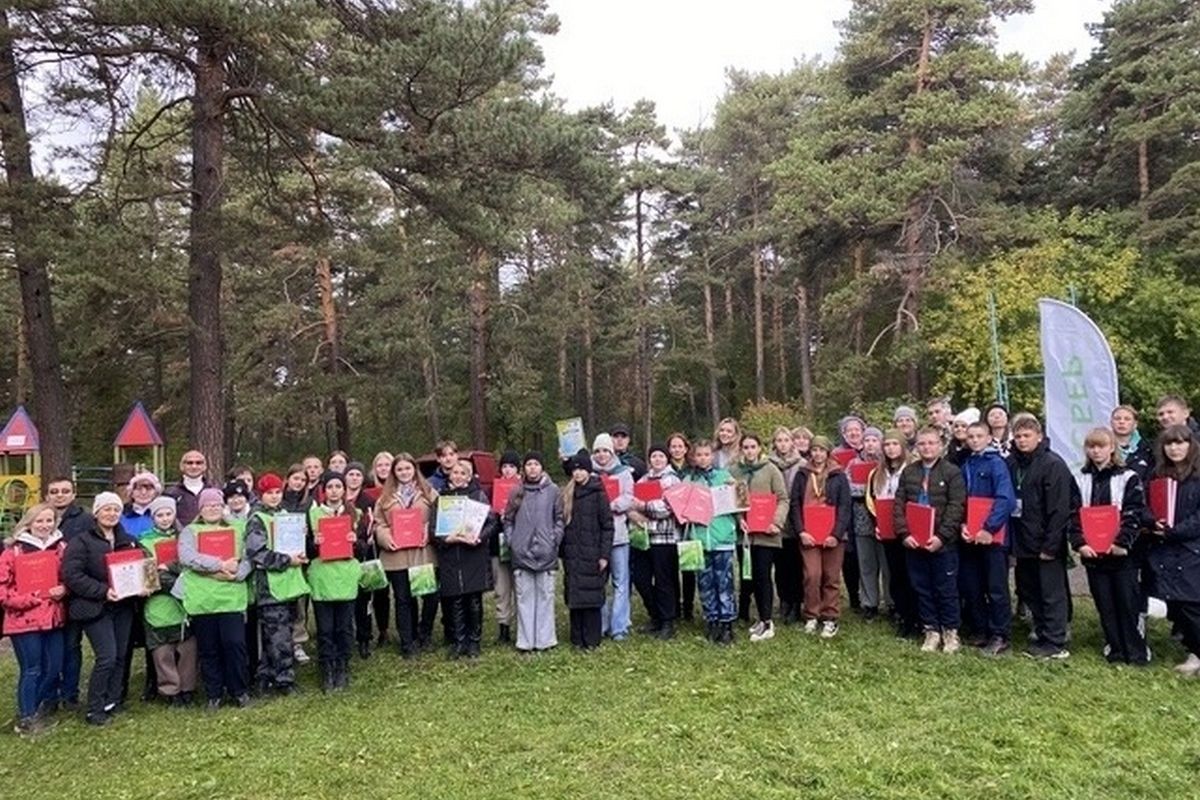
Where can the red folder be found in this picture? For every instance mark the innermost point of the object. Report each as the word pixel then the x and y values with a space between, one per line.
pixel 36 572
pixel 612 487
pixel 978 510
pixel 334 545
pixel 819 520
pixel 844 456
pixel 920 522
pixel 690 502
pixel 860 471
pixel 501 489
pixel 408 527
pixel 761 514
pixel 648 491
pixel 218 544
pixel 1160 493
pixel 167 551
pixel 1100 524
pixel 885 523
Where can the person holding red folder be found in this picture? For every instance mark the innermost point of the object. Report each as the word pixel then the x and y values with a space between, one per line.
pixel 1174 551
pixel 1105 542
pixel 32 597
pixel 789 576
pixel 718 538
pixel 506 600
pixel 820 502
pixel 662 578
pixel 881 493
pixel 983 558
pixel 759 476
pixel 867 553
pixel 406 489
pixel 933 483
pixel 464 567
pixel 333 547
pixel 615 615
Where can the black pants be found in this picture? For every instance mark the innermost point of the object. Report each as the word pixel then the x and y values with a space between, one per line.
pixel 585 627
pixel 335 631
pixel 464 613
pixel 137 641
pixel 251 639
pixel 108 634
pixel 641 574
pixel 221 650
pixel 1043 585
pixel 410 617
pixel 904 600
pixel 428 616
pixel 1187 618
pixel 762 559
pixel 789 580
pixel 745 587
pixel 1118 599
pixel 72 661
pixel 850 576
pixel 664 567
pixel 380 603
pixel 687 595
pixel 277 667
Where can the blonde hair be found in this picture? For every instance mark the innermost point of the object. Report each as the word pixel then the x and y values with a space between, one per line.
pixel 1105 436
pixel 29 516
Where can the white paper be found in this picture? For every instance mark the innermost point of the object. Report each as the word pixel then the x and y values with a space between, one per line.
pixel 570 436
pixel 128 578
pixel 290 532
pixel 725 500
pixel 459 515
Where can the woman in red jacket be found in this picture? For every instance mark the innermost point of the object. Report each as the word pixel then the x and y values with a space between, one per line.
pixel 34 616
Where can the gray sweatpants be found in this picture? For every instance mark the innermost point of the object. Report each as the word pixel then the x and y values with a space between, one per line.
pixel 535 609
pixel 872 572
pixel 503 575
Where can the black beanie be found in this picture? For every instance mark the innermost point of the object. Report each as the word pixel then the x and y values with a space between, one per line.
pixel 511 457
pixel 234 488
pixel 658 447
pixel 332 475
pixel 533 455
pixel 581 460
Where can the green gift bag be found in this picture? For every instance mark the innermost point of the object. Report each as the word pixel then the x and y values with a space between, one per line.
pixel 639 538
pixel 691 556
pixel 373 578
pixel 747 567
pixel 422 580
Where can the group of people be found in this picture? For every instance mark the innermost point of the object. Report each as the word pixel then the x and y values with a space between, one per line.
pixel 920 524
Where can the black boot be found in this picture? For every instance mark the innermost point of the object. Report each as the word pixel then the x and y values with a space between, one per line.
pixel 455 611
pixel 651 628
pixel 726 633
pixel 364 648
pixel 474 625
pixel 341 675
pixel 505 636
pixel 328 676
pixel 666 631
pixel 710 631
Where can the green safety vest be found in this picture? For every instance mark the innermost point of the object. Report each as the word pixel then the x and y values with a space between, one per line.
pixel 332 581
pixel 286 584
pixel 161 609
pixel 203 594
pixel 239 527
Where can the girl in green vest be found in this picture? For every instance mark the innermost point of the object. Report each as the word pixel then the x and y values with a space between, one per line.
pixel 334 583
pixel 212 587
pixel 278 582
pixel 171 645
pixel 238 494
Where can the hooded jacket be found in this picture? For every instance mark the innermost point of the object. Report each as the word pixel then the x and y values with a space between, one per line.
pixel 587 538
pixel 533 525
pixel 1111 486
pixel 946 493
pixel 1043 485
pixel 986 475
pixel 26 613
pixel 1174 558
pixel 85 572
pixel 466 568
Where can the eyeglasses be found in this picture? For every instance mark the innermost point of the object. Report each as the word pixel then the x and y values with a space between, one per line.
pixel 144 486
pixel 199 463
pixel 60 491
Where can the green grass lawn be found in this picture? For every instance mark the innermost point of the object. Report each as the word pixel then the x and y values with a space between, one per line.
pixel 864 715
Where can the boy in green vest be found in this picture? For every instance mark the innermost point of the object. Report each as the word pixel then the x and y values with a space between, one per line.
pixel 334 584
pixel 171 645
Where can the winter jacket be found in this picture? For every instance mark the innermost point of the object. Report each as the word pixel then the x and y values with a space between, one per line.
pixel 836 493
pixel 396 560
pixel 25 613
pixel 1175 557
pixel 587 538
pixel 940 486
pixel 636 464
pixel 85 573
pixel 1139 457
pixel 721 532
pixel 660 521
pixel 74 521
pixel 763 477
pixel 1094 487
pixel 533 525
pixel 187 503
pixel 467 568
pixel 624 499
pixel 1043 484
pixel 263 558
pixel 986 475
pixel 136 523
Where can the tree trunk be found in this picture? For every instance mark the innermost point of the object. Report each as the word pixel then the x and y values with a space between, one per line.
pixel 804 337
pixel 728 321
pixel 206 417
pixel 589 374
pixel 341 413
pixel 24 380
pixel 429 374
pixel 49 394
pixel 760 372
pixel 710 339
pixel 860 258
pixel 1144 175
pixel 641 394
pixel 479 303
pixel 777 343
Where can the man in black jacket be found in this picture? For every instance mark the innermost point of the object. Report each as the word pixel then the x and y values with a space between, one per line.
pixel 1043 484
pixel 621 440
pixel 72 521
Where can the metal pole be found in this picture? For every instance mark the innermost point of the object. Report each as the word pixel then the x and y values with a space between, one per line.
pixel 997 367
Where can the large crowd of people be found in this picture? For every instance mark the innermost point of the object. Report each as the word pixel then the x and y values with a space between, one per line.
pixel 921 525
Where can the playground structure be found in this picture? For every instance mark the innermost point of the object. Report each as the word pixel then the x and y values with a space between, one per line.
pixel 20 468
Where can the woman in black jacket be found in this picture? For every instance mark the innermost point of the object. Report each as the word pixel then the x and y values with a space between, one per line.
pixel 92 604
pixel 586 546
pixel 465 569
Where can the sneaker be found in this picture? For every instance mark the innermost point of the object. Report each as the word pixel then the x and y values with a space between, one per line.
pixel 242 700
pixel 1190 667
pixel 726 633
pixel 829 629
pixel 995 647
pixel 1044 651
pixel 28 726
pixel 101 719
pixel 299 654
pixel 810 626
pixel 756 631
pixel 214 703
pixel 950 641
pixel 932 640
pixel 766 630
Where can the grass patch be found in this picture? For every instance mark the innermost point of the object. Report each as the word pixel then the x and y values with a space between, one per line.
pixel 864 715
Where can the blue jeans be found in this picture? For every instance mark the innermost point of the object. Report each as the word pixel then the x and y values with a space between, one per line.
pixel 983 584
pixel 614 615
pixel 39 656
pixel 934 578
pixel 716 586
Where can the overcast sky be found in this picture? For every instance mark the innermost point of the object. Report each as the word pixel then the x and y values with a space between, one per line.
pixel 675 52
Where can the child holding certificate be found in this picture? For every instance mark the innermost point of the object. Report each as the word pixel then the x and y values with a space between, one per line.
pixel 333 574
pixel 32 597
pixel 168 639
pixel 465 565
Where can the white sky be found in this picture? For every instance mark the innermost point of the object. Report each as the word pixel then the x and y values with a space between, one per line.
pixel 675 52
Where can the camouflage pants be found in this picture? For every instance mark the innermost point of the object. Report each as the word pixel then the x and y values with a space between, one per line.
pixel 277 662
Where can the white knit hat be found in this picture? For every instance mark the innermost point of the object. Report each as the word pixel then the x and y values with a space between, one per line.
pixel 603 442
pixel 106 499
pixel 968 415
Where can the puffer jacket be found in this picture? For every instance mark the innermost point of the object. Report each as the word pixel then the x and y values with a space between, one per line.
pixel 26 613
pixel 533 525
pixel 85 573
pixel 947 494
pixel 466 568
pixel 587 538
pixel 1174 558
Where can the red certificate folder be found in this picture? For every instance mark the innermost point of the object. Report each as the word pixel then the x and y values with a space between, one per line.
pixel 648 491
pixel 819 520
pixel 1100 524
pixel 408 527
pixel 1160 494
pixel 885 523
pixel 167 551
pixel 612 487
pixel 844 457
pixel 501 489
pixel 761 514
pixel 920 522
pixel 690 502
pixel 218 544
pixel 36 572
pixel 860 471
pixel 978 510
pixel 335 546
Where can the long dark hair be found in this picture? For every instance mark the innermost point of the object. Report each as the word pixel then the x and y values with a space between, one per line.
pixel 1190 465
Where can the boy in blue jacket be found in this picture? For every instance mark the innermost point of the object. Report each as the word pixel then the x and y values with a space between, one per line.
pixel 983 561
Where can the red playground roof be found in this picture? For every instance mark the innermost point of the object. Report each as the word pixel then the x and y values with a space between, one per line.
pixel 20 435
pixel 139 430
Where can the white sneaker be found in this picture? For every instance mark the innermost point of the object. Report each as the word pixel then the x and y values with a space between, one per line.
pixel 1189 667
pixel 299 654
pixel 810 626
pixel 756 631
pixel 766 630
pixel 829 629
pixel 933 640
